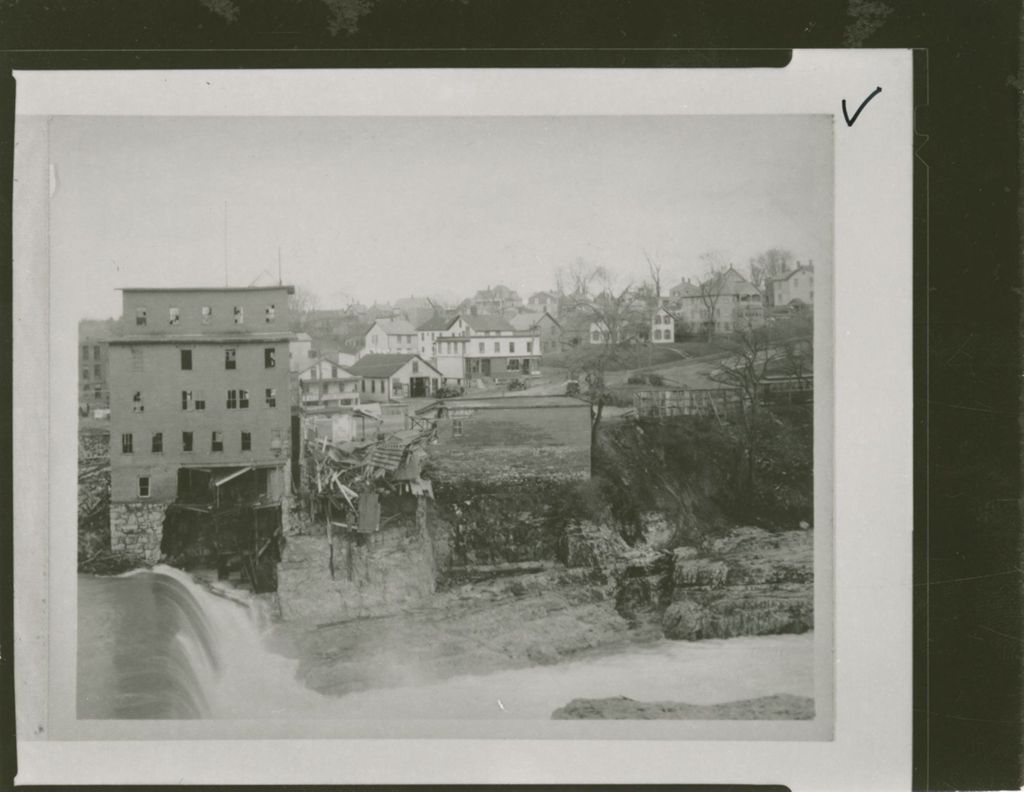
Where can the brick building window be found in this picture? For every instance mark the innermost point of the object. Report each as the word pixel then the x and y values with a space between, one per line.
pixel 126 443
pixel 186 360
pixel 143 486
pixel 230 359
pixel 456 428
pixel 246 441
pixel 140 317
pixel 415 367
pixel 511 346
pixel 529 347
pixel 200 400
pixel 173 316
pixel 97 371
pixel 85 374
pixel 217 441
pixel 158 442
pixel 96 352
pixel 137 405
pixel 232 399
pixel 497 346
pixel 239 315
pixel 186 400
pixel 269 358
pixel 276 441
pixel 243 399
pixel 270 314
pixel 85 353
pixel 481 346
pixel 205 313
pixel 186 441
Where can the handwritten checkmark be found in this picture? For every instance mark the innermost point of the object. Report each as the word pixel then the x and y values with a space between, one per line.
pixel 872 95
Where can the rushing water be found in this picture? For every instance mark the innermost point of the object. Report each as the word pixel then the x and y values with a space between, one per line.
pixel 157 645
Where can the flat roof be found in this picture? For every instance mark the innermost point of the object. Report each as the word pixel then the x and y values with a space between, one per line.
pixel 511 402
pixel 202 338
pixel 289 289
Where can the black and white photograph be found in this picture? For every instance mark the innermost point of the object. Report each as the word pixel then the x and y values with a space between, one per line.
pixel 445 417
pixel 457 416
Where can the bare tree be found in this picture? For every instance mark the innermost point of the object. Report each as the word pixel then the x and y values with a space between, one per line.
pixel 301 305
pixel 710 287
pixel 769 265
pixel 616 321
pixel 579 279
pixel 752 353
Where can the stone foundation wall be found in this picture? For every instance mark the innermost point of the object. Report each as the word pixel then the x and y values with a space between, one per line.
pixel 373 575
pixel 137 528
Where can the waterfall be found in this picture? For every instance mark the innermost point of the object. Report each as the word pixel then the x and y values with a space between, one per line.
pixel 181 649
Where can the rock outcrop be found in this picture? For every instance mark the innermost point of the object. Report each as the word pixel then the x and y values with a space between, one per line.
pixel 751 582
pixel 780 707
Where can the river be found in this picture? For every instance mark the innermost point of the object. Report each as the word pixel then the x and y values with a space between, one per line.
pixel 157 645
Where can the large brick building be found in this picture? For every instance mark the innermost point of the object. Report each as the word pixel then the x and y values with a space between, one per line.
pixel 199 403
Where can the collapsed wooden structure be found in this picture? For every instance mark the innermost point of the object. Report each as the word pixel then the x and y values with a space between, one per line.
pixel 350 484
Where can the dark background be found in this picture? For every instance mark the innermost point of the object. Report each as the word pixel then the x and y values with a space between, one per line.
pixel 967 717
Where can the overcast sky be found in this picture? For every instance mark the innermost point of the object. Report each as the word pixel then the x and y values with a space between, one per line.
pixel 382 208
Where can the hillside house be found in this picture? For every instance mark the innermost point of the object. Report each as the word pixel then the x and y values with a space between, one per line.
pixel 387 377
pixel 544 325
pixel 494 300
pixel 737 304
pixel 390 336
pixel 794 287
pixel 325 385
pixel 663 326
pixel 543 301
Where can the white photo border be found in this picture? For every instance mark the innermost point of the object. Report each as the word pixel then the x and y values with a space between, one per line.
pixel 870 445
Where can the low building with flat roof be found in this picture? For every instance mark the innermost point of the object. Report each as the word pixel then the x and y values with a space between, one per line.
pixel 500 438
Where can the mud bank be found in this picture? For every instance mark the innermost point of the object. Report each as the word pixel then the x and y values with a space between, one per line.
pixel 781 707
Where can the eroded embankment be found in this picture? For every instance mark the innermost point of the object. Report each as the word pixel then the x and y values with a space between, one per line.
pixel 751 582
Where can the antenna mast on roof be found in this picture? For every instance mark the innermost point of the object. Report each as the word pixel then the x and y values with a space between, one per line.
pixel 225 243
pixel 279 265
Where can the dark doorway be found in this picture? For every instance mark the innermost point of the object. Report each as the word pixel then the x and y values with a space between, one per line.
pixel 485 367
pixel 418 387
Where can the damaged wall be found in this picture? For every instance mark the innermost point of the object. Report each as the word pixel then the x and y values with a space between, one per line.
pixel 374 574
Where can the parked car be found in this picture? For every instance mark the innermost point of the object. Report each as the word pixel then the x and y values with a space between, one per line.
pixel 449 391
pixel 517 385
pixel 646 379
pixel 572 388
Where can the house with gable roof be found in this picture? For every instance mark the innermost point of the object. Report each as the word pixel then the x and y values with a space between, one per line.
pixel 387 377
pixel 390 336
